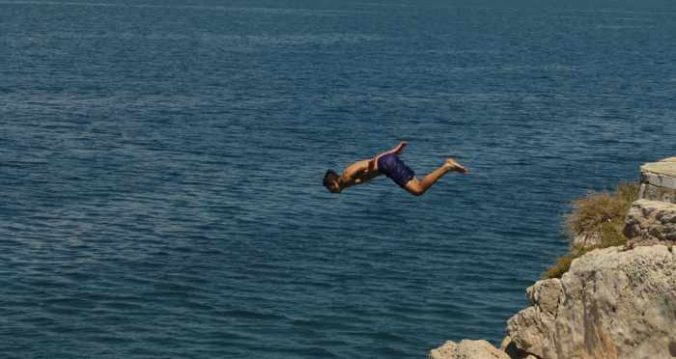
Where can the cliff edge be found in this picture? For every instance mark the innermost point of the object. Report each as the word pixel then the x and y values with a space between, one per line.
pixel 613 303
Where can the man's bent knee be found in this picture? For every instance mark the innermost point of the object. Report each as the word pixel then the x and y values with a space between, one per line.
pixel 413 187
pixel 417 193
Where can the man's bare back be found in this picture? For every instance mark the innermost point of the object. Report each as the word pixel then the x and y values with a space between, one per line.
pixel 389 164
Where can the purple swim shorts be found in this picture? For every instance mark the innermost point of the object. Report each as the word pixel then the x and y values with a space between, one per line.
pixel 391 166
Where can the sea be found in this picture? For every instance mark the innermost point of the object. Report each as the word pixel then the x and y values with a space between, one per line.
pixel 161 167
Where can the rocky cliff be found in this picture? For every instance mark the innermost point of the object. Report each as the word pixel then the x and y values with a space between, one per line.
pixel 613 303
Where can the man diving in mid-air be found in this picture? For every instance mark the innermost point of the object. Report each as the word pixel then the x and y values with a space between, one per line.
pixel 388 164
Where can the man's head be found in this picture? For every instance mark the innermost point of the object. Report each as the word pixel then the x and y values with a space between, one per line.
pixel 332 181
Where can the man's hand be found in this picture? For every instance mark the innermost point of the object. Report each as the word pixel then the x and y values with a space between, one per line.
pixel 399 149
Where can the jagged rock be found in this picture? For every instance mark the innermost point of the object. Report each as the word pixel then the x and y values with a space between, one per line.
pixel 610 304
pixel 651 222
pixel 467 349
pixel 513 351
pixel 539 319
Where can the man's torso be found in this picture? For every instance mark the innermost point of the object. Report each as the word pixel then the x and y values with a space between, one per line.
pixel 360 172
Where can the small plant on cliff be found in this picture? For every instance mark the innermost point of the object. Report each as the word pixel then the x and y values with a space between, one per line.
pixel 598 216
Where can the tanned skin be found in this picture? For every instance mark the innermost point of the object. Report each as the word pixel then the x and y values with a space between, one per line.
pixel 365 170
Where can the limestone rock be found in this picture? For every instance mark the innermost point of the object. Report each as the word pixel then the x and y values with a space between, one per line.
pixel 509 347
pixel 611 304
pixel 658 181
pixel 467 349
pixel 651 222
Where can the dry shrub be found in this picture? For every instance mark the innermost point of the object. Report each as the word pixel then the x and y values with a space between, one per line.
pixel 598 215
pixel 561 266
pixel 592 213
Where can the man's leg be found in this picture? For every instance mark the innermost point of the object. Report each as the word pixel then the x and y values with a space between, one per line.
pixel 419 187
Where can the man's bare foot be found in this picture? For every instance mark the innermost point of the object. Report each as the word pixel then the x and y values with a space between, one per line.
pixel 453 165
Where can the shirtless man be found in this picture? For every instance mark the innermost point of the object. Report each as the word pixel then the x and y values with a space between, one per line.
pixel 389 164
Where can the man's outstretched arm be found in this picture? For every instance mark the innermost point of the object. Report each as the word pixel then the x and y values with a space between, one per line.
pixel 398 149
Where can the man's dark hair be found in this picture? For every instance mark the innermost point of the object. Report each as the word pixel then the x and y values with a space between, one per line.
pixel 330 174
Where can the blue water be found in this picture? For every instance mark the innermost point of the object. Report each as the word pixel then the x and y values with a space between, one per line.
pixel 161 166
